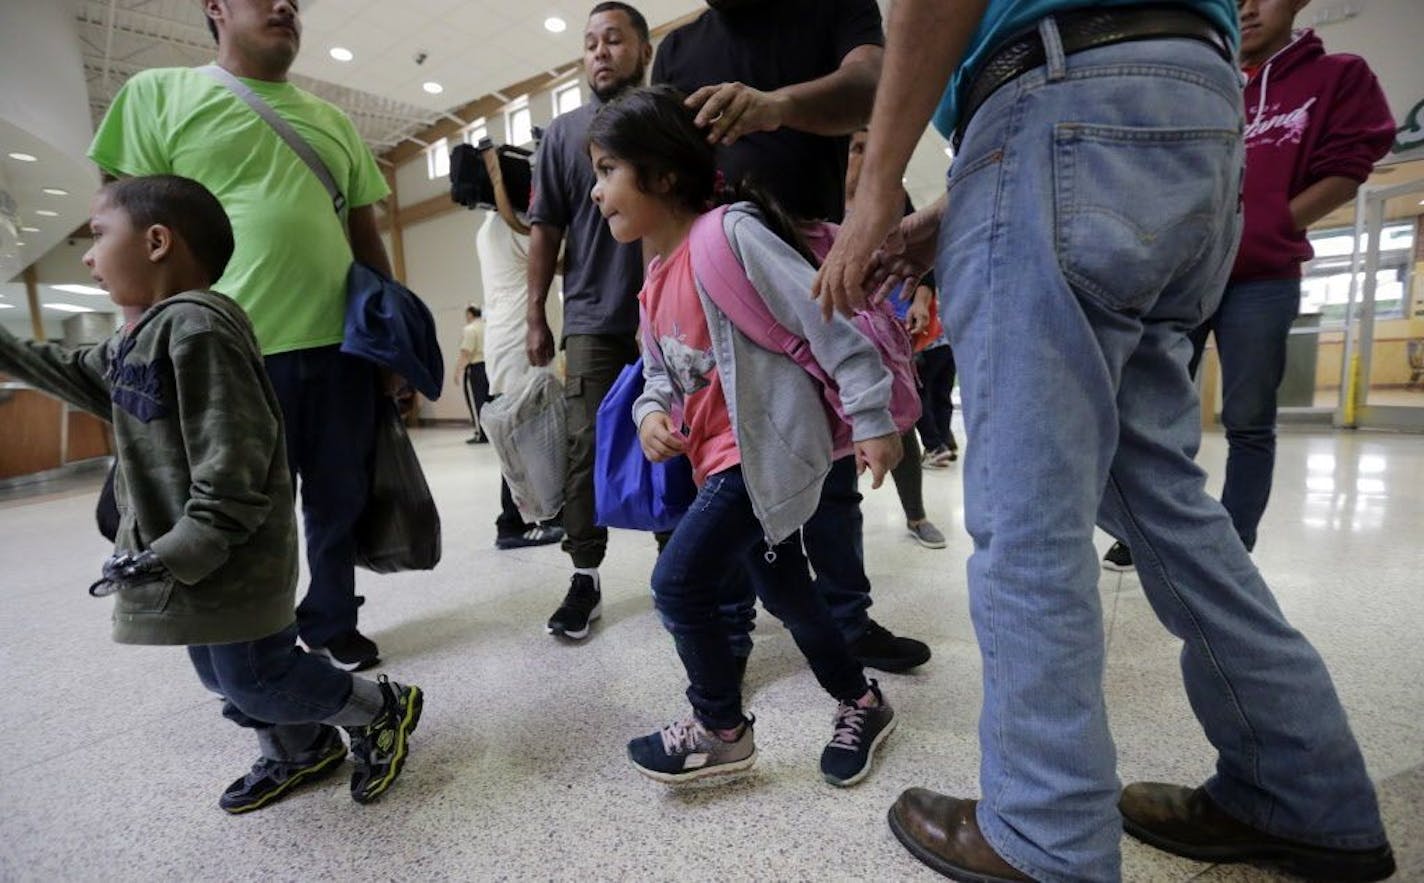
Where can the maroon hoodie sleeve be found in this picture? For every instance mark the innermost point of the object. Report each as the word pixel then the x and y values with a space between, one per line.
pixel 1361 128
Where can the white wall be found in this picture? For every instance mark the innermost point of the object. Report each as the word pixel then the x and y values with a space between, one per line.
pixel 1386 33
pixel 440 266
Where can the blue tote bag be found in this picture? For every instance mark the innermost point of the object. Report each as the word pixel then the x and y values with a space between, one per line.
pixel 629 491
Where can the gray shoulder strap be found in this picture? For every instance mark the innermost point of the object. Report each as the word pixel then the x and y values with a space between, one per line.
pixel 284 129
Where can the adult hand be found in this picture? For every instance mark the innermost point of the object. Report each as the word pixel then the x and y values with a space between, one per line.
pixel 845 278
pixel 731 110
pixel 660 439
pixel 880 455
pixel 539 342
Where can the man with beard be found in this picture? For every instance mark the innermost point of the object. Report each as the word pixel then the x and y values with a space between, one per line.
pixel 601 282
pixel 780 85
pixel 289 270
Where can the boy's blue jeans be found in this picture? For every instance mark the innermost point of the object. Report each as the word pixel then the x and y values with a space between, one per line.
pixel 1093 219
pixel 1252 326
pixel 720 535
pixel 274 687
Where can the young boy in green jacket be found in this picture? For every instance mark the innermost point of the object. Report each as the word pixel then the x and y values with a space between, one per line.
pixel 206 554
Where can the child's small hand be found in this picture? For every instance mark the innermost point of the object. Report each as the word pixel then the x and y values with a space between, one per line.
pixel 660 439
pixel 881 454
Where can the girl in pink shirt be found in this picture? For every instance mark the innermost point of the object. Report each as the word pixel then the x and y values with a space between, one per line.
pixel 755 427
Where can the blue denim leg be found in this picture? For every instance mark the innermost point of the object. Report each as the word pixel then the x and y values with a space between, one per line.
pixel 721 531
pixel 328 402
pixel 834 545
pixel 1071 298
pixel 271 681
pixel 1252 326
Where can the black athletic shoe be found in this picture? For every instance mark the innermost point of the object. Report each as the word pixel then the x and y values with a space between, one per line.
pixel 1119 559
pixel 538 535
pixel 879 648
pixel 846 759
pixel 271 780
pixel 379 748
pixel 350 652
pixel 582 605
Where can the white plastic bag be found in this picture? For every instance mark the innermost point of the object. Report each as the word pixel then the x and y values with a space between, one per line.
pixel 528 428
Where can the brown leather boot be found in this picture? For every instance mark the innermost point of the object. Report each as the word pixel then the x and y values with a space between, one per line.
pixel 1185 822
pixel 943 832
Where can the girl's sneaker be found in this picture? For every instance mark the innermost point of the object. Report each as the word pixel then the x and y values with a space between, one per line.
pixel 859 731
pixel 686 751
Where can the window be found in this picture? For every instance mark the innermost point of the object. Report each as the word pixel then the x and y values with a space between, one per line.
pixel 476 132
pixel 437 159
pixel 518 124
pixel 1325 288
pixel 567 97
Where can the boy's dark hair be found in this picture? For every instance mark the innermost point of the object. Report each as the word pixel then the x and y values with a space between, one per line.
pixel 651 129
pixel 184 206
pixel 640 24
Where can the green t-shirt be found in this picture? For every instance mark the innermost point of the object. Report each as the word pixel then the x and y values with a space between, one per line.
pixel 289 269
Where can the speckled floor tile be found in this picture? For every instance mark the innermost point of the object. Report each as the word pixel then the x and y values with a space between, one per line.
pixel 112 758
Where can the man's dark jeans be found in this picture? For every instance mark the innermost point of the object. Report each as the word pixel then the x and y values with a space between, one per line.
pixel 328 402
pixel 835 548
pixel 1251 328
pixel 593 364
pixel 718 532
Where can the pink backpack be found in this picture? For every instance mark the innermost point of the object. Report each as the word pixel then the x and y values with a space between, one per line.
pixel 725 280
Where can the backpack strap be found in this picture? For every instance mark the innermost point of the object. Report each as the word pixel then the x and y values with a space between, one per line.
pixel 725 280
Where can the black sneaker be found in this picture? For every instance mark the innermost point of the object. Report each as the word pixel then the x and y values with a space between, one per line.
pixel 879 648
pixel 859 731
pixel 538 535
pixel 350 652
pixel 686 751
pixel 379 748
pixel 271 780
pixel 1119 558
pixel 582 605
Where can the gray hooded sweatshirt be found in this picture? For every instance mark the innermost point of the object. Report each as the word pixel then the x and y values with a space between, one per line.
pixel 777 410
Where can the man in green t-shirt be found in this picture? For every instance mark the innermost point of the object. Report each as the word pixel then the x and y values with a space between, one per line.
pixel 289 269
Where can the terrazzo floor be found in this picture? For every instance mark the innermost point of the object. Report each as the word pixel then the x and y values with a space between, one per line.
pixel 112 758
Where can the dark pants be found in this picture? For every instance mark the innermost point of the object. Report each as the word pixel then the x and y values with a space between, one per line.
pixel 936 397
pixel 719 531
pixel 593 364
pixel 909 478
pixel 1251 328
pixel 271 681
pixel 476 388
pixel 835 548
pixel 328 402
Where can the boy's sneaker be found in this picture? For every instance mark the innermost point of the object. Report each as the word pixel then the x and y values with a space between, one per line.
pixel 352 651
pixel 1119 558
pixel 927 535
pixel 379 748
pixel 538 535
pixel 582 605
pixel 271 780
pixel 880 648
pixel 859 731
pixel 686 751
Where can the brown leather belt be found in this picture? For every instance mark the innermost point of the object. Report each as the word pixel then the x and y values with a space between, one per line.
pixel 1081 29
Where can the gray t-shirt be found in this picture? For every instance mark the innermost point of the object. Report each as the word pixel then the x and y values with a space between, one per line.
pixel 601 277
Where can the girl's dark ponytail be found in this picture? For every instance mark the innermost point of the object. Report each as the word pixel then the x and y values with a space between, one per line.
pixel 651 129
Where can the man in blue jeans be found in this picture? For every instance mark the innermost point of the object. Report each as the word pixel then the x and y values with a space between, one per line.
pixel 1070 295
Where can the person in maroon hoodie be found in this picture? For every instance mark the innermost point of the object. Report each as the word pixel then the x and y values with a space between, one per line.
pixel 1315 126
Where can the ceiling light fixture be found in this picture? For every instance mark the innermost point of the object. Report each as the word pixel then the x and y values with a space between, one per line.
pixel 555 25
pixel 79 289
pixel 340 53
pixel 29 229
pixel 55 191
pixel 67 308
pixel 7 306
pixel 24 157
pixel 46 213
pixel 433 87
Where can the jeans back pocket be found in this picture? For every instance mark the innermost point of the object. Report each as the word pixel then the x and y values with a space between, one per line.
pixel 1136 208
